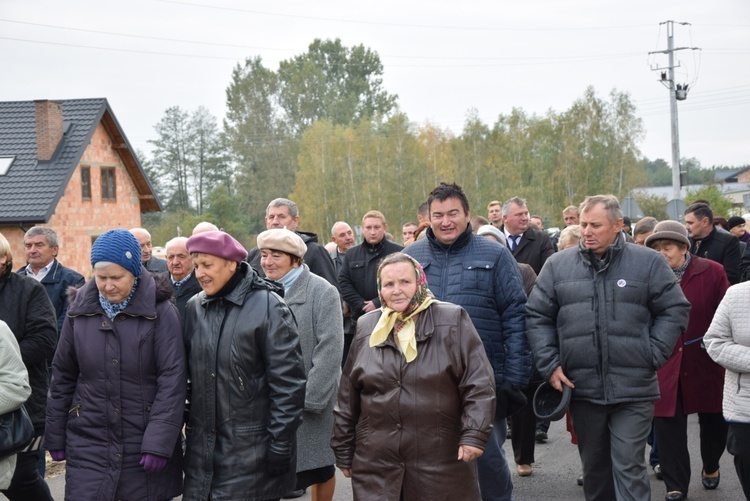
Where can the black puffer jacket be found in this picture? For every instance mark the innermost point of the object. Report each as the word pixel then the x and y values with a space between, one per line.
pixel 28 311
pixel 248 388
pixel 609 326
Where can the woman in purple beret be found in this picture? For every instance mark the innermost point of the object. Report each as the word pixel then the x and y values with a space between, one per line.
pixel 247 380
pixel 116 400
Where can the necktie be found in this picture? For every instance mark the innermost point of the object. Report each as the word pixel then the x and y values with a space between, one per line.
pixel 513 242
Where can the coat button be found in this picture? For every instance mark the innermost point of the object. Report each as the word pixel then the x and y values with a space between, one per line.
pixel 104 324
pixel 117 410
pixel 114 361
pixel 398 426
pixel 118 456
pixel 213 376
pixel 398 383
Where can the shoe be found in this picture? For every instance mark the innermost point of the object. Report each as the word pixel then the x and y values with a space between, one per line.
pixel 524 470
pixel 294 494
pixel 540 436
pixel 657 471
pixel 579 481
pixel 675 496
pixel 710 483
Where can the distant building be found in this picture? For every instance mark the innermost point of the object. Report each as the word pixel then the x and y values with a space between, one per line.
pixel 67 165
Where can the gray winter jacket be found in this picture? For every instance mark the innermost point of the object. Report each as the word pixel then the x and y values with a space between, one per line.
pixel 610 325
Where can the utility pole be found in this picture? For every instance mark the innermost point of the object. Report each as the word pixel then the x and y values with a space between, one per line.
pixel 676 93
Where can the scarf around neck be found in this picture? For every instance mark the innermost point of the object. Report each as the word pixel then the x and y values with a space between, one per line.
pixel 402 323
pixel 112 309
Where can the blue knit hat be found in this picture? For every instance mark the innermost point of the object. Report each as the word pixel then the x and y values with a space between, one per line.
pixel 119 247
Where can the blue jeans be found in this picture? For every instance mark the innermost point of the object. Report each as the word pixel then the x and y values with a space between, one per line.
pixel 494 476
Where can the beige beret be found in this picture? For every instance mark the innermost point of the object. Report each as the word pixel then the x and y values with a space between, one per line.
pixel 282 240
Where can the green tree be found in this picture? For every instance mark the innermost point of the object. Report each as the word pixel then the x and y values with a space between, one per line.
pixel 171 160
pixel 652 205
pixel 721 205
pixel 262 149
pixel 332 82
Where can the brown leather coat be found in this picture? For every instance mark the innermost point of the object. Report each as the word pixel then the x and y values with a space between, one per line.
pixel 398 426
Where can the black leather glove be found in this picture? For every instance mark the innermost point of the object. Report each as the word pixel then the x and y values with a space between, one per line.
pixel 509 400
pixel 277 464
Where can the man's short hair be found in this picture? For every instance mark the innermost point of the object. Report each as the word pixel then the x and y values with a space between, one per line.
pixel 409 223
pixel 444 191
pixel 284 202
pixel 570 208
pixel 374 213
pixel 478 221
pixel 700 211
pixel 424 209
pixel 515 200
pixel 645 225
pixel 494 203
pixel 48 233
pixel 333 228
pixel 610 202
pixel 176 240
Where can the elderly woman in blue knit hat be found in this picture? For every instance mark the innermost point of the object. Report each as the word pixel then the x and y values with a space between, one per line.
pixel 116 399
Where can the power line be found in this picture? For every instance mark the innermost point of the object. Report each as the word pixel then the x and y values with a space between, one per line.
pixel 520 60
pixel 403 25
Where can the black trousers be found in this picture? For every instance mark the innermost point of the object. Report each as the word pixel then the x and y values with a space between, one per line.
pixel 27 484
pixel 738 445
pixel 671 435
pixel 523 424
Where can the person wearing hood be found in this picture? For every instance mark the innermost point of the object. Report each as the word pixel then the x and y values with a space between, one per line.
pixel 117 395
pixel 247 378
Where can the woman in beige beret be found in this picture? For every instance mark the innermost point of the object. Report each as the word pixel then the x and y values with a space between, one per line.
pixel 317 307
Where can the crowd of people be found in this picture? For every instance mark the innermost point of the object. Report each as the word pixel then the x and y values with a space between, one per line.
pixel 219 373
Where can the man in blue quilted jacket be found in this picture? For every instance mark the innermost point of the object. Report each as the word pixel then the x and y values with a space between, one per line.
pixel 482 277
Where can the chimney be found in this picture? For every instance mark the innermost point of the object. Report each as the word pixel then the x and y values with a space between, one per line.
pixel 49 128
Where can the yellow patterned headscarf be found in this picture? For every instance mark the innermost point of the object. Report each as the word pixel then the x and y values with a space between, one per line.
pixel 402 324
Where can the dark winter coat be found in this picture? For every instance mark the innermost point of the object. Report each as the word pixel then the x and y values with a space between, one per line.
pixel 722 247
pixel 358 277
pixel 483 278
pixel 248 392
pixel 28 311
pixel 399 425
pixel 700 378
pixel 609 326
pixel 182 295
pixel 57 282
pixel 534 249
pixel 316 258
pixel 156 265
pixel 117 392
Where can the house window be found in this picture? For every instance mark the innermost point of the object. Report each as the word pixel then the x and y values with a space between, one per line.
pixel 86 182
pixel 5 163
pixel 108 183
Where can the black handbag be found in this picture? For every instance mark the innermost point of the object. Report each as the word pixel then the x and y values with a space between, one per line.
pixel 16 432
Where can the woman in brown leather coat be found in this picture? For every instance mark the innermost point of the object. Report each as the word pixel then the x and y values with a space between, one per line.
pixel 417 399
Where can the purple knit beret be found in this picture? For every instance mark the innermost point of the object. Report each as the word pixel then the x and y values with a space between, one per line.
pixel 217 243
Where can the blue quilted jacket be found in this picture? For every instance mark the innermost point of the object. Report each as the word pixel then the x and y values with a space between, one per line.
pixel 483 278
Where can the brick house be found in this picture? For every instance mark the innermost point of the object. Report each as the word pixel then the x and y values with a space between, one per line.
pixel 67 165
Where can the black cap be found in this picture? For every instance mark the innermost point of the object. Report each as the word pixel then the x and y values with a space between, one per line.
pixel 550 404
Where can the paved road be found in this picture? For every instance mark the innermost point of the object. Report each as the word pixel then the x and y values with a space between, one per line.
pixel 555 471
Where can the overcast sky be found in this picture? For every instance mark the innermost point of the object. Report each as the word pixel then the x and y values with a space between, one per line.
pixel 442 57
